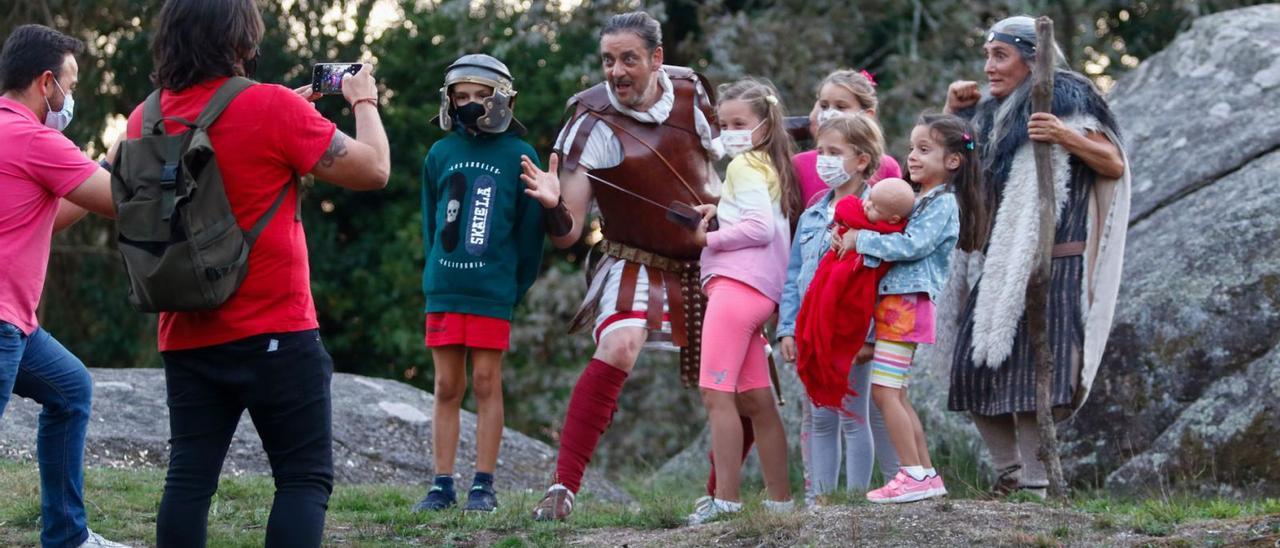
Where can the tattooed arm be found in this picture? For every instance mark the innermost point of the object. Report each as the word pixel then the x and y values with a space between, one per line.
pixel 363 163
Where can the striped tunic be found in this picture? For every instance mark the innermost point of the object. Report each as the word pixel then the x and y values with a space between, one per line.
pixel 1010 388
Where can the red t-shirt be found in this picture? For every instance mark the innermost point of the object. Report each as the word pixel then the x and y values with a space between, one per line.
pixel 265 135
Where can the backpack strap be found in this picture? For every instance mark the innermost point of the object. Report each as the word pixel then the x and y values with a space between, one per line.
pixel 153 118
pixel 216 273
pixel 221 98
pixel 151 115
pixel 297 204
pixel 251 237
pixel 153 125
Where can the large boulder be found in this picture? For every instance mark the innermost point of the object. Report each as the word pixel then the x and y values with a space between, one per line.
pixel 381 434
pixel 1182 397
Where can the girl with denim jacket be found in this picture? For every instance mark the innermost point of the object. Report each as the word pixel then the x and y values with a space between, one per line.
pixel 942 161
pixel 850 147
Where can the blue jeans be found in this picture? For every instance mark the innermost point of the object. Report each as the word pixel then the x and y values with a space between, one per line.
pixel 37 366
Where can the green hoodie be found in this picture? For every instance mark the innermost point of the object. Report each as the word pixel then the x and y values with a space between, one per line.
pixel 483 235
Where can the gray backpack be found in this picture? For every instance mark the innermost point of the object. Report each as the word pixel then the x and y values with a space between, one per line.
pixel 181 245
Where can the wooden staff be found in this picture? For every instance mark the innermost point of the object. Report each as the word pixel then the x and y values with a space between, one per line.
pixel 1038 286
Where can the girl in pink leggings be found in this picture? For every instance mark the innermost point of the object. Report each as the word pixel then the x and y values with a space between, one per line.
pixel 743 268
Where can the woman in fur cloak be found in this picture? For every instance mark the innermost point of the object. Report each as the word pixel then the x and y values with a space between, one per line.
pixel 982 312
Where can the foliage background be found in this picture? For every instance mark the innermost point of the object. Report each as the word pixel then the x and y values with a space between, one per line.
pixel 366 249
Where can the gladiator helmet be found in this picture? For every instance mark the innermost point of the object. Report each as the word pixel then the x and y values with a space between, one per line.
pixel 479 68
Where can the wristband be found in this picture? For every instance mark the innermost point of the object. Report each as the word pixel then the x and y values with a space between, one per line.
pixel 558 219
pixel 104 164
pixel 371 100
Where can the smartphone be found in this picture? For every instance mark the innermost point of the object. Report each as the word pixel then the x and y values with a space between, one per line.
pixel 685 215
pixel 326 78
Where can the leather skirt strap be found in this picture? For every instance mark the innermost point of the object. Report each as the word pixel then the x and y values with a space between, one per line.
pixel 653 314
pixel 627 287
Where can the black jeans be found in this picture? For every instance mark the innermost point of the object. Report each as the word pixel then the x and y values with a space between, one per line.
pixel 283 380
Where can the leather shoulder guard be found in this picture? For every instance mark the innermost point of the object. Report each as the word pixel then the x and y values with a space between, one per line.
pixel 594 99
pixel 685 74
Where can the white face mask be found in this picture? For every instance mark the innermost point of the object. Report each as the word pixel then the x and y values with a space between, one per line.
pixel 827 114
pixel 59 120
pixel 831 170
pixel 738 141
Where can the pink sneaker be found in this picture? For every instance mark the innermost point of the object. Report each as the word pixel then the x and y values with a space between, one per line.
pixel 902 488
pixel 936 489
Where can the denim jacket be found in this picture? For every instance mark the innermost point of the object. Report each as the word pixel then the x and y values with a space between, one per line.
pixel 922 253
pixel 811 241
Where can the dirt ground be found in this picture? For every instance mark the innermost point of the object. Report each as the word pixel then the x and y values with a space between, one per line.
pixel 946 523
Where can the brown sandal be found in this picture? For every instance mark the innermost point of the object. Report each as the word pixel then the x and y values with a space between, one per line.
pixel 1006 483
pixel 556 505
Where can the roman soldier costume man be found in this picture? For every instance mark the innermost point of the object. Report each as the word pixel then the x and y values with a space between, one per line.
pixel 639 144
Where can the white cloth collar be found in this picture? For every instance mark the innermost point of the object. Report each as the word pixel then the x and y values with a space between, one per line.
pixel 659 112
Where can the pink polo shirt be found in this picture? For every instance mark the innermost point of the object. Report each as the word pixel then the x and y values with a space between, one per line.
pixel 38 165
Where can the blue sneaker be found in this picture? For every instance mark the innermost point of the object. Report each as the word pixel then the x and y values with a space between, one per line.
pixel 437 499
pixel 481 498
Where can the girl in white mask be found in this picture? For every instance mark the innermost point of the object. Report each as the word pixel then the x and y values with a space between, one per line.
pixel 841 92
pixel 743 271
pixel 850 150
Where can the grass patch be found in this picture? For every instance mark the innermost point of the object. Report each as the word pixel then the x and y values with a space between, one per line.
pixel 1061 532
pixel 767 528
pixel 1022 496
pixel 122 506
pixel 1159 517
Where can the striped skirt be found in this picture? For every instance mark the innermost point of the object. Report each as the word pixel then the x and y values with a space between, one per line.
pixel 1010 388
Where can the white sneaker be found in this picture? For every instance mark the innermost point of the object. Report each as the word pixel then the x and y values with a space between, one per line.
pixel 96 541
pixel 780 507
pixel 706 509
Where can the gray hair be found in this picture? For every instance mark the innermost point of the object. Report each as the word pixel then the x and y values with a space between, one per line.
pixel 1023 27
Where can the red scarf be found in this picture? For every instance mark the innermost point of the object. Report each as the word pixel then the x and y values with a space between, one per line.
pixel 836 312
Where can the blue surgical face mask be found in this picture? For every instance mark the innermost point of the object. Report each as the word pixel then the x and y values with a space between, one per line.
pixel 60 119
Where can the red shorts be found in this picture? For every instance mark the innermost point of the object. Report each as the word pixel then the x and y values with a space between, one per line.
pixel 452 328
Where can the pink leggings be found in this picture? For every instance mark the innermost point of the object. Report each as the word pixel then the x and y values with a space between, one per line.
pixel 733 348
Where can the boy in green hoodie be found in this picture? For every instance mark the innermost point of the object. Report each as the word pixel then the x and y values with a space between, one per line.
pixel 483 238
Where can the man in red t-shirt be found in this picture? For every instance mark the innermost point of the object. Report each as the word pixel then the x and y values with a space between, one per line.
pixel 46 184
pixel 261 349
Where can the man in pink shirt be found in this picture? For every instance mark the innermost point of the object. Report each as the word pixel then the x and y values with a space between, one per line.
pixel 46 184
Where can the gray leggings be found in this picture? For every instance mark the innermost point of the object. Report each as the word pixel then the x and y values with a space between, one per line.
pixel 865 438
